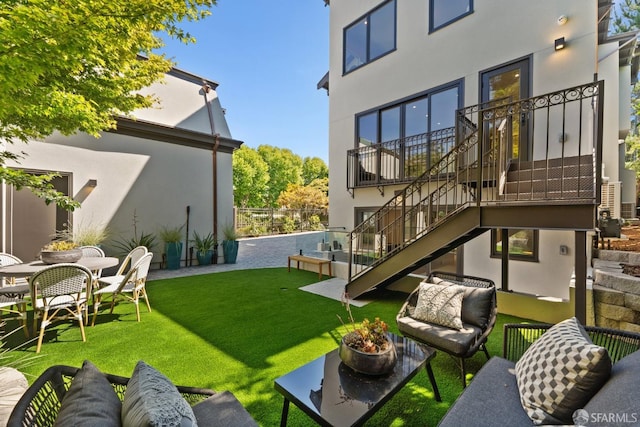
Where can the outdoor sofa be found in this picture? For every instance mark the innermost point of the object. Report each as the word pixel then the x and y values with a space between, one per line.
pixel 66 396
pixel 494 397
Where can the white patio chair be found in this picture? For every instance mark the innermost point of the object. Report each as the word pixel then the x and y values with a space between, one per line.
pixel 132 283
pixel 59 292
pixel 129 261
pixel 92 252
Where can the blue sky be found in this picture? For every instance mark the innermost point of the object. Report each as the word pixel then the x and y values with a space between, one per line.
pixel 267 57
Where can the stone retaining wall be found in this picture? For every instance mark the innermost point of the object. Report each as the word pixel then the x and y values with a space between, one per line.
pixel 616 295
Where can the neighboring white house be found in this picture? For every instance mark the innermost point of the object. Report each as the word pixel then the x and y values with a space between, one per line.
pixel 173 158
pixel 398 72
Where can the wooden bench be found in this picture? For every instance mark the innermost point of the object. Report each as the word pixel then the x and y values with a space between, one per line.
pixel 320 262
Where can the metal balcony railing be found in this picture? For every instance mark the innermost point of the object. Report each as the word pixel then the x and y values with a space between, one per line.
pixel 397 161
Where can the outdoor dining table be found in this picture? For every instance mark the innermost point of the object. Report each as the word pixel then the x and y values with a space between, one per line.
pixel 29 268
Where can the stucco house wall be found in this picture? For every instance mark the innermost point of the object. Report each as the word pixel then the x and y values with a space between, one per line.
pixel 154 167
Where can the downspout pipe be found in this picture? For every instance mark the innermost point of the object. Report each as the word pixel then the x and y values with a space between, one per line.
pixel 216 143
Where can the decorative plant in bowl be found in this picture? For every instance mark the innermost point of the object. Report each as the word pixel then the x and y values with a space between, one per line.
pixel 60 251
pixel 366 348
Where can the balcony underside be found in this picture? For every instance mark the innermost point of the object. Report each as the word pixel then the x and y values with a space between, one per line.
pixel 468 224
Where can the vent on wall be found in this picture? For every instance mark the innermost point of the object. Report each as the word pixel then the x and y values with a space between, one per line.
pixel 611 198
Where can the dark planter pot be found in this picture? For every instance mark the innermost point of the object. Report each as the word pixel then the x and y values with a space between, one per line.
pixel 174 252
pixel 230 251
pixel 368 363
pixel 204 258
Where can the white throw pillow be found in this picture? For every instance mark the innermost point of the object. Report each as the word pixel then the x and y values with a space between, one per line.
pixel 13 384
pixel 439 304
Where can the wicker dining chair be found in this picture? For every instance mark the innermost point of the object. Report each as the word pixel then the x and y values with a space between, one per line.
pixel 130 288
pixel 127 264
pixel 7 259
pixel 59 292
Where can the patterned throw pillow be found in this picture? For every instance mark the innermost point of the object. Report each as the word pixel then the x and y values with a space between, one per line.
pixel 152 400
pixel 560 372
pixel 441 305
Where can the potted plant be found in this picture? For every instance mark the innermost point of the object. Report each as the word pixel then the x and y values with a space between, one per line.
pixel 230 244
pixel 60 251
pixel 172 238
pixel 90 235
pixel 205 247
pixel 366 348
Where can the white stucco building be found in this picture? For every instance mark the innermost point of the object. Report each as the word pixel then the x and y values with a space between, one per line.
pixel 174 157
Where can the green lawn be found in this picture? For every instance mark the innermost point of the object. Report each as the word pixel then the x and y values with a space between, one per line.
pixel 239 331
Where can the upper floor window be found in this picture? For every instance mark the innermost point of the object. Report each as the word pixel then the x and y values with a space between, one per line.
pixel 370 37
pixel 444 12
pixel 428 112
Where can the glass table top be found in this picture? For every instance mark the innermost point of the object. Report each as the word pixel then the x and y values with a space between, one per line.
pixel 333 394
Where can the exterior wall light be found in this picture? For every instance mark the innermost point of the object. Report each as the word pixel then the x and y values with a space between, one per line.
pixel 560 43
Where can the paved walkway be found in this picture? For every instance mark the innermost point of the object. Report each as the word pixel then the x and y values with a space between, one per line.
pixel 257 252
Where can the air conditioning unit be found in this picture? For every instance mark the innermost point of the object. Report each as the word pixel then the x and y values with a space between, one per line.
pixel 611 198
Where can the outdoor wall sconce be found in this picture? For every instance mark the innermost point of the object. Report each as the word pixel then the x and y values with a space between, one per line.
pixel 560 44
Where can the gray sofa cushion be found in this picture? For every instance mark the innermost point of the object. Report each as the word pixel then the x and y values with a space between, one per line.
pixel 453 341
pixel 491 399
pixel 619 396
pixel 476 305
pixel 90 400
pixel 222 409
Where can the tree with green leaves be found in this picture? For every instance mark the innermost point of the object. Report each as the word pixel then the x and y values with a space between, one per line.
pixel 285 168
pixel 625 18
pixel 313 168
pixel 73 66
pixel 250 178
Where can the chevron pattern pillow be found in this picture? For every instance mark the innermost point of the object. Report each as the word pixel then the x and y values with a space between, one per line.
pixel 560 372
pixel 439 304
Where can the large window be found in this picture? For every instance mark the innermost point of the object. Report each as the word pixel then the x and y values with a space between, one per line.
pixel 444 12
pixel 523 244
pixel 370 37
pixel 398 142
pixel 409 118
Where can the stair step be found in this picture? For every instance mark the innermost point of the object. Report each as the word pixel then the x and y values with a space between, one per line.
pixel 586 160
pixel 549 195
pixel 550 185
pixel 540 173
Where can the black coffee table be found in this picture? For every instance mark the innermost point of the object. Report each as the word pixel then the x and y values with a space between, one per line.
pixel 335 395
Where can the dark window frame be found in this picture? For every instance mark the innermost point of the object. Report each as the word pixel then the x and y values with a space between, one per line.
pixel 433 28
pixel 367 16
pixel 459 84
pixel 534 257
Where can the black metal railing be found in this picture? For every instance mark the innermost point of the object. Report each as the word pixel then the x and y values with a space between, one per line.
pixel 543 149
pixel 397 161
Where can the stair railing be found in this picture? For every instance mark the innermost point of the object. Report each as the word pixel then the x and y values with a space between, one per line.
pixel 459 180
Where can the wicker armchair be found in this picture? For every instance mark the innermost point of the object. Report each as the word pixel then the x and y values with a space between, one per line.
pixel 460 344
pixel 40 404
